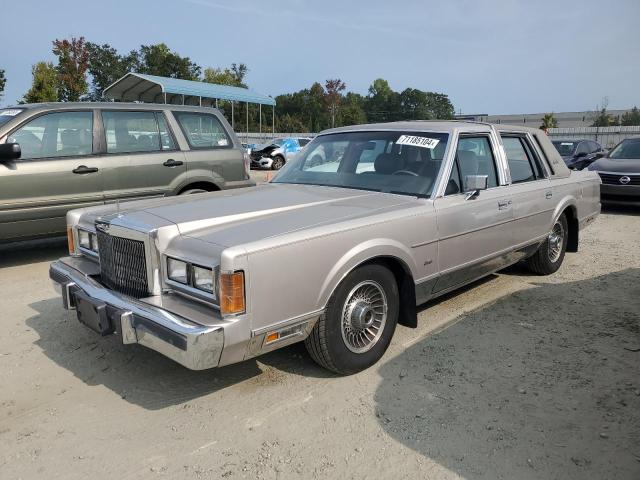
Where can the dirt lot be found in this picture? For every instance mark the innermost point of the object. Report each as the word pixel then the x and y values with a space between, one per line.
pixel 515 377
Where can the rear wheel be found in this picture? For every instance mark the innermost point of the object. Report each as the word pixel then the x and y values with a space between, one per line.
pixel 278 162
pixel 550 254
pixel 358 323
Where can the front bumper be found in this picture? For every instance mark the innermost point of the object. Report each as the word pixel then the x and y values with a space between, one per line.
pixel 263 162
pixel 197 347
pixel 620 194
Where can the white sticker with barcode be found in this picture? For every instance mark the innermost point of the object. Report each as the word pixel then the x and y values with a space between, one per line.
pixel 414 141
pixel 9 113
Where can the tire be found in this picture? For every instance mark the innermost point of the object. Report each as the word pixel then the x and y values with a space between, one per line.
pixel 342 347
pixel 278 162
pixel 191 191
pixel 550 254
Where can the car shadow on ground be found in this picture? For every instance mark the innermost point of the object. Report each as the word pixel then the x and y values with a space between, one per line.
pixel 24 253
pixel 518 389
pixel 142 376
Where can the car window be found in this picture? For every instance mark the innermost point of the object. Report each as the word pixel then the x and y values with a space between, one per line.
pixel 475 157
pixel 9 114
pixel 403 163
pixel 63 134
pixel 166 140
pixel 303 141
pixel 583 147
pixel 520 163
pixel 202 130
pixel 131 132
pixel 595 147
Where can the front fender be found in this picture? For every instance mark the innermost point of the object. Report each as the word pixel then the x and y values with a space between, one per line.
pixel 359 254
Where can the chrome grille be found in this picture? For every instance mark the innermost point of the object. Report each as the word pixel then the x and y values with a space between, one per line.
pixel 123 265
pixel 614 179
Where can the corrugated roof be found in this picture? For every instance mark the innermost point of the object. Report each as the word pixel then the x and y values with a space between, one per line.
pixel 150 88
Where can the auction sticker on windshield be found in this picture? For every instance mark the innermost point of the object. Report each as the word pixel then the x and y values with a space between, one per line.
pixel 424 142
pixel 10 113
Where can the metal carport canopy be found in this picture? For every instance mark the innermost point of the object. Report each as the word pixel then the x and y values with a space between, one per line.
pixel 154 89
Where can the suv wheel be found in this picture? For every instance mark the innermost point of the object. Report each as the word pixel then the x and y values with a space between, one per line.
pixel 550 254
pixel 358 323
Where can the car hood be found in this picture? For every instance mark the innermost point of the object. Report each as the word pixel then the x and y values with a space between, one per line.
pixel 235 217
pixel 616 165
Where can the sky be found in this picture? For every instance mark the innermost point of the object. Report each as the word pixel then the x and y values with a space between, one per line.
pixel 489 56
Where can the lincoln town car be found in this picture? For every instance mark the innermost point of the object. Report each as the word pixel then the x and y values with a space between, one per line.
pixel 364 225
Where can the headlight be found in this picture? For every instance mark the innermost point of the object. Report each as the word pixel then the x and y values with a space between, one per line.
pixel 88 240
pixel 83 239
pixel 177 271
pixel 203 279
pixel 93 239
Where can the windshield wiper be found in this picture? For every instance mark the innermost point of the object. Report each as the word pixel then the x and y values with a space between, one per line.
pixel 409 194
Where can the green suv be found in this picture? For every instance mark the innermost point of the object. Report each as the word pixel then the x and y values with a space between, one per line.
pixel 57 157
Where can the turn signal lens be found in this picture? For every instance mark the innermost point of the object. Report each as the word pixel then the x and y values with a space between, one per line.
pixel 70 241
pixel 232 299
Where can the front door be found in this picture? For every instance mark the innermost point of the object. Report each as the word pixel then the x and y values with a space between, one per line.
pixel 57 172
pixel 473 233
pixel 141 156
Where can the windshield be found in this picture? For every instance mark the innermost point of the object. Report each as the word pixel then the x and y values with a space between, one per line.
pixel 565 148
pixel 398 162
pixel 9 114
pixel 626 149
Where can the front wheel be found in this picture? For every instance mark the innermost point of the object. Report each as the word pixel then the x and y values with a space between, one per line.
pixel 550 254
pixel 358 323
pixel 278 162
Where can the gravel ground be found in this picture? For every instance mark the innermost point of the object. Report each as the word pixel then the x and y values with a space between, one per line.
pixel 517 376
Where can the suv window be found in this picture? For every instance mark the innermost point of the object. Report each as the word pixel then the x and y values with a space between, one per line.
pixel 202 130
pixel 473 157
pixel 131 132
pixel 520 161
pixel 62 134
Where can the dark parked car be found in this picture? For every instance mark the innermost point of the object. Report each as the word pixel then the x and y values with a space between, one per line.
pixel 578 154
pixel 620 173
pixel 60 156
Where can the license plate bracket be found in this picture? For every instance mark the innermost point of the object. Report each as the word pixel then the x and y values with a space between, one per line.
pixel 93 313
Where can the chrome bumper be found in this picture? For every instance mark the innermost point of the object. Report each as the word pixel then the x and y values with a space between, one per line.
pixel 195 346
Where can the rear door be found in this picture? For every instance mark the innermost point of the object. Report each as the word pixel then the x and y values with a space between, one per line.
pixel 212 155
pixel 531 191
pixel 141 155
pixel 58 171
pixel 473 232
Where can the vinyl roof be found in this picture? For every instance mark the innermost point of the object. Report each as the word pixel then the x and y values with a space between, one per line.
pixel 151 88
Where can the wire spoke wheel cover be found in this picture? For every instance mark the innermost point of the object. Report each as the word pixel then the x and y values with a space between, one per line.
pixel 556 241
pixel 364 316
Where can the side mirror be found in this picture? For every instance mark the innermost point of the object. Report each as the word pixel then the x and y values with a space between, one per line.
pixel 9 151
pixel 474 183
pixel 600 155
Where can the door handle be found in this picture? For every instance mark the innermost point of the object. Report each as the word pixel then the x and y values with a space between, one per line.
pixel 172 163
pixel 503 204
pixel 548 195
pixel 83 169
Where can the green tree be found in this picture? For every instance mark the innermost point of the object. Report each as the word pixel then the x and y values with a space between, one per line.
pixel 333 97
pixel 352 109
pixel 549 121
pixel 3 83
pixel 604 119
pixel 44 87
pixel 233 76
pixel 382 104
pixel 631 118
pixel 106 66
pixel 289 123
pixel 414 104
pixel 73 62
pixel 160 60
pixel 439 106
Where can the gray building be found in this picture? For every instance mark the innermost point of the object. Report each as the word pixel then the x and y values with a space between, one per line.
pixel 565 119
